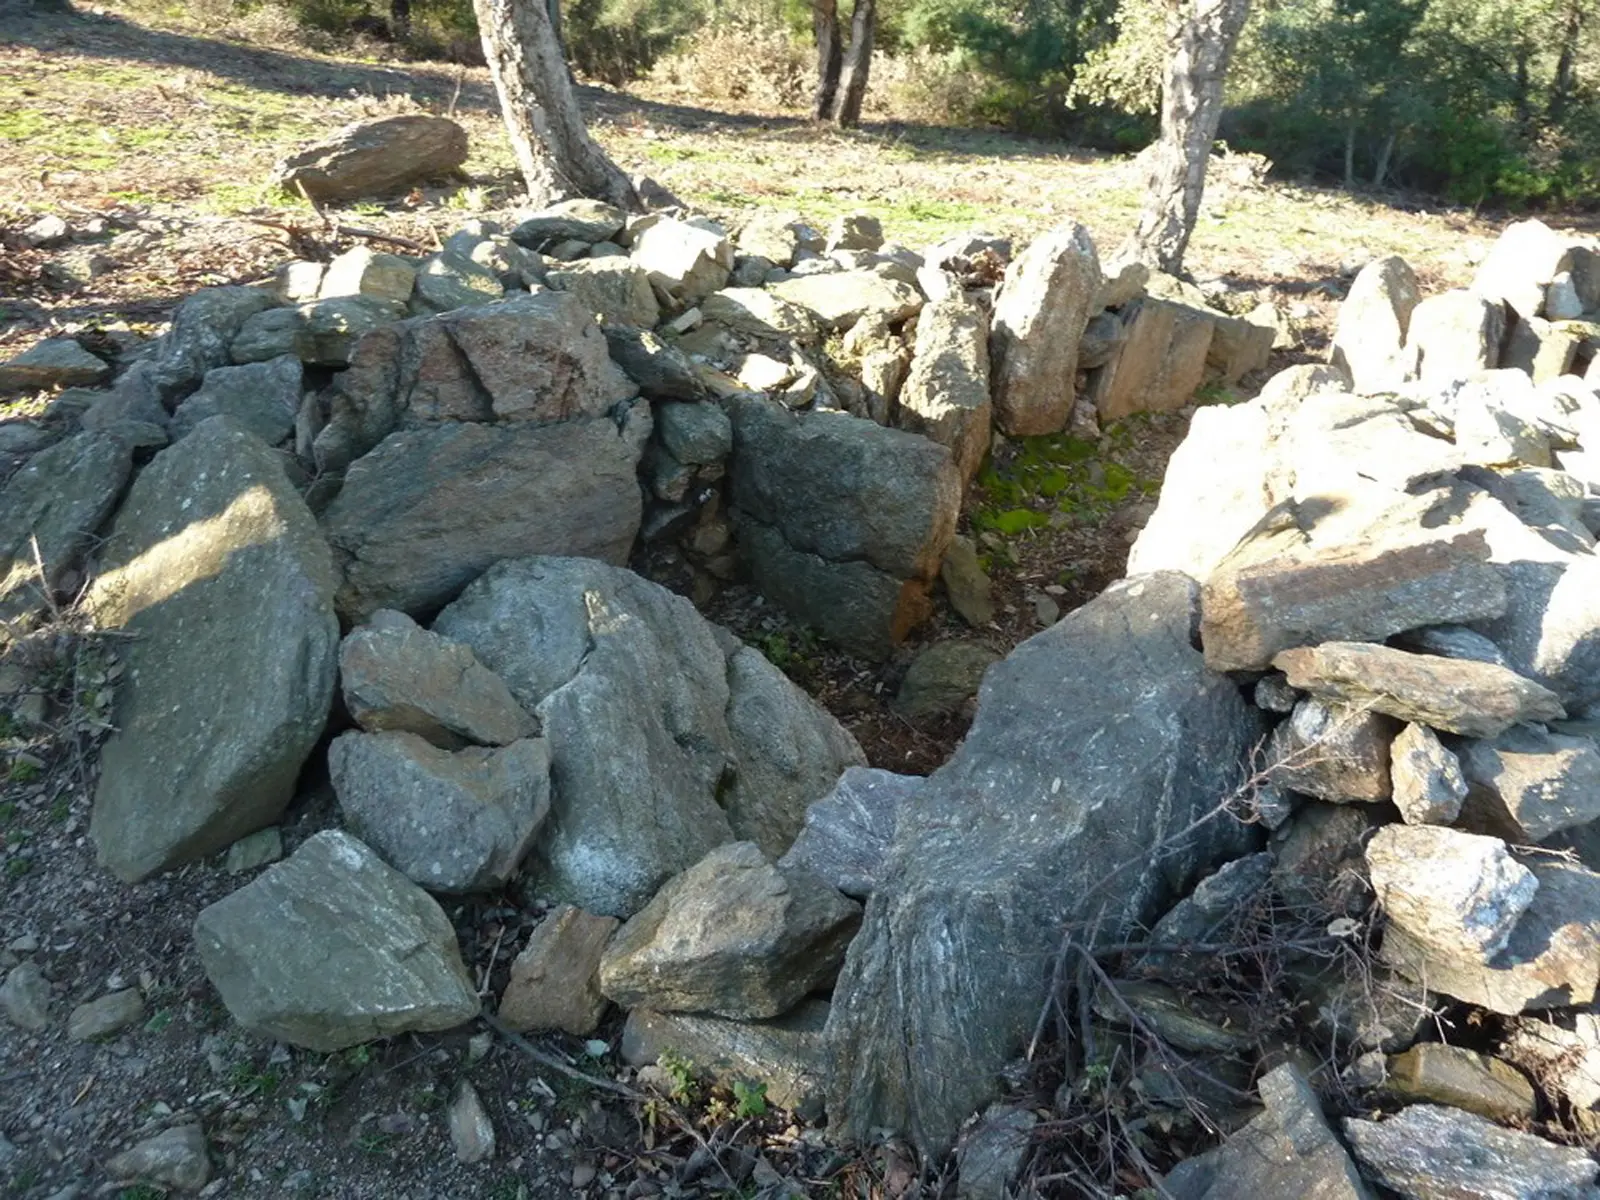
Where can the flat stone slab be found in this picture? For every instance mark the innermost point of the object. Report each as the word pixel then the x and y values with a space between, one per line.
pixel 1472 698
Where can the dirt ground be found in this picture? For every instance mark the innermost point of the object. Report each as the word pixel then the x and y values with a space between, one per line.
pixel 153 138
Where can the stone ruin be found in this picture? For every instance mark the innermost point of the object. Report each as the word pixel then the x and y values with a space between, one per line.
pixel 1365 681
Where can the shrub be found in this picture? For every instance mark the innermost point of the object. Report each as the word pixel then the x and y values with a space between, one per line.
pixel 740 60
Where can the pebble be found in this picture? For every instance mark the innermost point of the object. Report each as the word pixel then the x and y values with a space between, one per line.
pixel 471 1131
pixel 25 998
pixel 176 1159
pixel 583 1174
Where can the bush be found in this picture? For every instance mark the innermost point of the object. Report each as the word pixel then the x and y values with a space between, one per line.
pixel 743 59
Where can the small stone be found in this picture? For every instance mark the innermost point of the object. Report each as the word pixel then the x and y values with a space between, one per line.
pixel 942 679
pixel 1459 893
pixel 966 583
pixel 471 1131
pixel 175 1159
pixel 255 850
pixel 105 1016
pixel 1045 611
pixel 1428 784
pixel 25 998
pixel 583 1175
pixel 1273 694
pixel 1333 752
pixel 48 230
pixel 1462 1079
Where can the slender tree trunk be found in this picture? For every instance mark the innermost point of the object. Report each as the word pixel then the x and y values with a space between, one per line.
pixel 857 65
pixel 1201 37
pixel 1524 94
pixel 400 20
pixel 825 23
pixel 1350 155
pixel 1385 154
pixel 1566 62
pixel 553 8
pixel 558 159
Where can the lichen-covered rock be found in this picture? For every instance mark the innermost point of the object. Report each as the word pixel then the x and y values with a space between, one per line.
pixel 372 158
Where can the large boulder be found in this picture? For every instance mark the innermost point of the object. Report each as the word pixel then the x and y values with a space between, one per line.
pixel 49 512
pixel 1524 260
pixel 733 935
pixel 1161 360
pixel 453 821
pixel 1454 335
pixel 371 158
pixel 666 738
pixel 841 521
pixel 839 299
pixel 946 395
pixel 1039 318
pixel 1098 745
pixel 331 948
pixel 217 573
pixel 429 509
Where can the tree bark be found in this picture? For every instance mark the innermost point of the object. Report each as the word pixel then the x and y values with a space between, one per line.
pixel 825 23
pixel 558 159
pixel 1201 37
pixel 857 66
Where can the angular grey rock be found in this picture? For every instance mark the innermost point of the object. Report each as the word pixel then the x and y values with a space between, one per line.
pixel 773 235
pixel 1429 1151
pixel 56 502
pixel 695 434
pixel 1452 641
pixel 1462 1079
pixel 54 362
pixel 1460 894
pixel 254 850
pixel 456 821
pixel 1370 338
pixel 1543 349
pixel 789 1054
pixel 683 259
pixel 570 220
pixel 788 749
pixel 648 711
pixel 109 1014
pixel 537 359
pixel 1162 360
pixel 447 281
pixel 217 573
pixel 1288 1151
pixel 331 948
pixel 1551 961
pixel 1222 895
pixel 273 334
pixel 1428 784
pixel 1529 784
pixel 1459 696
pixel 25 997
pixel 1563 1053
pixel 942 679
pixel 1234 500
pixel 1333 752
pixel 662 371
pixel 1523 261
pixel 1306 574
pixel 847 833
pixel 733 935
pixel 855 231
pixel 262 397
pixel 1319 858
pixel 1023 832
pixel 966 583
pixel 202 333
pixel 555 980
pixel 1273 694
pixel 991 1154
pixel 760 313
pixel 363 271
pixel 429 509
pixel 1492 425
pixel 471 1130
pixel 396 675
pixel 614 289
pixel 1454 335
pixel 946 395
pixel 841 298
pixel 842 522
pixel 175 1159
pixel 374 157
pixel 1039 318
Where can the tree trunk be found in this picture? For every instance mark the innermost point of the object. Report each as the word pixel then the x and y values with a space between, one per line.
pixel 558 159
pixel 825 23
pixel 400 20
pixel 858 63
pixel 1566 61
pixel 1201 36
pixel 1385 154
pixel 1350 156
